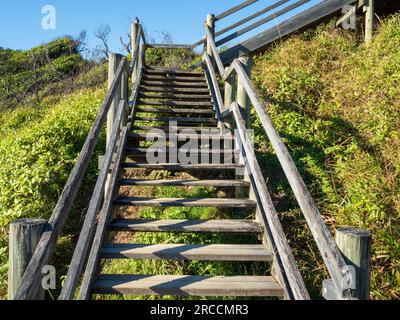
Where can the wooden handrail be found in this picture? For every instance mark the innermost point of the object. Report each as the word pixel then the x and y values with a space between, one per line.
pixel 104 219
pixel 251 17
pixel 261 22
pixel 87 231
pixel 295 287
pixel 234 9
pixel 217 97
pixel 46 247
pixel 333 259
pixel 216 55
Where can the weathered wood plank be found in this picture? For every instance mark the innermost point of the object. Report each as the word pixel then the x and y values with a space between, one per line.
pixel 188 226
pixel 175 111
pixel 284 28
pixel 251 17
pixel 88 228
pixel 174 84
pixel 175 103
pixel 261 22
pixel 212 252
pixel 184 183
pixel 185 202
pixel 234 9
pixel 330 253
pixel 179 120
pixel 25 234
pixel 187 286
pixel 269 217
pixel 104 218
pixel 187 96
pixel 32 277
pixel 182 167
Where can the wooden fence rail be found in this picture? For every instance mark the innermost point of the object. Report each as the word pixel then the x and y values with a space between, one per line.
pixel 31 280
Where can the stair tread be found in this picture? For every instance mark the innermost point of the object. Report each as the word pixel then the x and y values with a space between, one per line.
pixel 173 72
pixel 186 183
pixel 212 130
pixel 175 96
pixel 175 103
pixel 188 226
pixel 187 120
pixel 187 285
pixel 180 135
pixel 185 202
pixel 172 77
pixel 212 252
pixel 173 167
pixel 168 150
pixel 175 111
pixel 175 84
pixel 185 91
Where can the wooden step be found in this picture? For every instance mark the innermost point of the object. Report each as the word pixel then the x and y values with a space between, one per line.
pixel 179 120
pixel 167 150
pixel 185 202
pixel 177 103
pixel 167 137
pixel 174 84
pixel 175 111
pixel 212 252
pixel 183 167
pixel 188 226
pixel 174 72
pixel 175 96
pixel 184 183
pixel 243 286
pixel 173 78
pixel 191 91
pixel 212 130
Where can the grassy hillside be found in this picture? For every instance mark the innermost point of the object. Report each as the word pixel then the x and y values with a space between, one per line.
pixel 336 102
pixel 47 106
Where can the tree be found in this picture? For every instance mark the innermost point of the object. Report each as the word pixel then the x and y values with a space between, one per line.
pixel 102 33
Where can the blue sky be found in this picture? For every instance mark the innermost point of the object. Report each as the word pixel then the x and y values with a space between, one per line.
pixel 20 21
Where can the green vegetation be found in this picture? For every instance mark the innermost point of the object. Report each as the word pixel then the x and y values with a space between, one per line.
pixel 336 103
pixel 46 112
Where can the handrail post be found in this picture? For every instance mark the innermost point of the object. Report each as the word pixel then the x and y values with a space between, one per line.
pixel 242 96
pixel 355 246
pixel 113 63
pixel 369 20
pixel 25 235
pixel 211 24
pixel 134 36
pixel 229 97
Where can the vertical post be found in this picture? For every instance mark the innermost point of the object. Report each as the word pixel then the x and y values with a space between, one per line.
pixel 113 62
pixel 134 36
pixel 211 24
pixel 25 235
pixel 355 245
pixel 230 87
pixel 369 20
pixel 242 97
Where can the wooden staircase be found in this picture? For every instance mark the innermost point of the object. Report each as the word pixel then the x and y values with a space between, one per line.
pixel 183 98
pixel 166 103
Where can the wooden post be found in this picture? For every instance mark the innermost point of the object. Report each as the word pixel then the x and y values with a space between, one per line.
pixel 242 96
pixel 24 238
pixel 211 24
pixel 229 98
pixel 369 20
pixel 134 36
pixel 113 62
pixel 355 245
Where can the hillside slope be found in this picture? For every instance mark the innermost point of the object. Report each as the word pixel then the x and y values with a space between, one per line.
pixel 47 106
pixel 336 102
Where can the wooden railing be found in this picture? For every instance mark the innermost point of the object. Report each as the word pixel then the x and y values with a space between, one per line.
pixel 342 277
pixel 31 281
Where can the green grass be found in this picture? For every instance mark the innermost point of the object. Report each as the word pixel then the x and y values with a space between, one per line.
pixel 336 103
